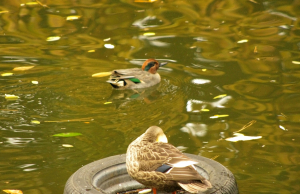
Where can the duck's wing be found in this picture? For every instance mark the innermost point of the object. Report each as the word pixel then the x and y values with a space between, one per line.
pixel 167 159
pixel 127 73
pixel 161 157
pixel 125 77
pixel 164 158
pixel 182 170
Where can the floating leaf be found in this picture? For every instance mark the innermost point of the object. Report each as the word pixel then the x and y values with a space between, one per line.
pixel 109 46
pixel 11 97
pixel 242 41
pixel 201 81
pixel 23 68
pixel 255 49
pixel 242 137
pixel 6 74
pixel 218 116
pixel 71 134
pixel 205 110
pixel 53 38
pixel 296 62
pixel 35 122
pixel 13 191
pixel 67 145
pixel 102 74
pixel 149 34
pixel 220 96
pixel 144 1
pixel 91 51
pixel 31 3
pixel 107 102
pixel 134 96
pixel 34 82
pixel 283 128
pixel 73 17
pixel 145 191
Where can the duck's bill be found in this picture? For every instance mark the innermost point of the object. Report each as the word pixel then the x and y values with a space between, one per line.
pixel 163 63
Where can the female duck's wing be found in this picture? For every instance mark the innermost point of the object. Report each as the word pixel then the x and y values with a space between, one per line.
pixel 161 157
pixel 182 171
pixel 164 158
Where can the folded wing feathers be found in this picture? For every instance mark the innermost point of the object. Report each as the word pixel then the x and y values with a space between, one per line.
pixel 195 186
pixel 184 173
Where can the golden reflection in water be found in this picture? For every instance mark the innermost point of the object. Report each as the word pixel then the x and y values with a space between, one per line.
pixel 246 53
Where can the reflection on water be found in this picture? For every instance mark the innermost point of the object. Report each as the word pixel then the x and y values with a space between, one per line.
pixel 230 62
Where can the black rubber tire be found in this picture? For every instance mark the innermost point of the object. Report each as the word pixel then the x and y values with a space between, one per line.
pixel 109 175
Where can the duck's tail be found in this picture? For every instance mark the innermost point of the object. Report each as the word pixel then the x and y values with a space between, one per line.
pixel 117 83
pixel 195 186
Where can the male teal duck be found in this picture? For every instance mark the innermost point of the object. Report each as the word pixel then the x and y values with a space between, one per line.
pixel 154 163
pixel 135 78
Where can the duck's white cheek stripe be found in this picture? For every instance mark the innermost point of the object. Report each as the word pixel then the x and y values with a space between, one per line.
pixel 183 163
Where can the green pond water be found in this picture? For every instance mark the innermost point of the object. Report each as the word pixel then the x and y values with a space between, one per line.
pixel 229 63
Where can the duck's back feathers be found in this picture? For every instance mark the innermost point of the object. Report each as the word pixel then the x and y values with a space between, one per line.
pixel 163 166
pixel 133 78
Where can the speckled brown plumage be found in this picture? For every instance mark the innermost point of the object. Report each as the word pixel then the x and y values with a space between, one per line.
pixel 146 158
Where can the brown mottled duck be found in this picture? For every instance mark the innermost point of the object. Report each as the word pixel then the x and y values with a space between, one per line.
pixel 153 162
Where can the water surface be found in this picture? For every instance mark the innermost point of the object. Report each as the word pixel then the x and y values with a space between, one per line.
pixel 230 62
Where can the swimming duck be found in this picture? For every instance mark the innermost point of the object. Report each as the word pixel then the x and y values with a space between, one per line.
pixel 136 77
pixel 153 162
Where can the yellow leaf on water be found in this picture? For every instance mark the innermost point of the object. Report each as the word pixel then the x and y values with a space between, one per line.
pixel 220 96
pixel 53 38
pixel 35 122
pixel 13 191
pixel 6 74
pixel 218 116
pixel 23 68
pixel 102 74
pixel 149 34
pixel 11 97
pixel 296 62
pixel 32 3
pixel 242 41
pixel 144 1
pixel 107 102
pixel 67 145
pixel 204 110
pixel 73 17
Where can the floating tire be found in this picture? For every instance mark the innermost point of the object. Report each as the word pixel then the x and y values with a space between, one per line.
pixel 109 176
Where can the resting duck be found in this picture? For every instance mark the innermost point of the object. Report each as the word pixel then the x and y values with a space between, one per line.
pixel 153 162
pixel 135 78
